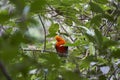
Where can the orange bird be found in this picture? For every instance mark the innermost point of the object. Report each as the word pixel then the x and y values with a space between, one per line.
pixel 60 48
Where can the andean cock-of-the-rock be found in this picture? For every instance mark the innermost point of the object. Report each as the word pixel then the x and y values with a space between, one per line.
pixel 60 48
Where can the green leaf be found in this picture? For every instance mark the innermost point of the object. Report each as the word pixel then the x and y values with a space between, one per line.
pixel 10 46
pixel 76 43
pixel 118 0
pixel 68 21
pixel 98 38
pixel 50 75
pixel 19 4
pixel 96 8
pixel 102 77
pixel 4 16
pixel 107 16
pixel 38 5
pixel 90 38
pixel 69 75
pixel 53 29
pixel 101 1
pixel 51 60
pixel 85 63
pixel 116 53
pixel 96 20
pixel 63 33
pixel 108 43
pixel 118 21
pixel 102 61
pixel 91 48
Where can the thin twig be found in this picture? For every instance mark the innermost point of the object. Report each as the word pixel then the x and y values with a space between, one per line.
pixel 102 26
pixel 37 50
pixel 2 27
pixel 66 32
pixel 45 76
pixel 32 50
pixel 4 71
pixel 110 24
pixel 44 31
pixel 109 78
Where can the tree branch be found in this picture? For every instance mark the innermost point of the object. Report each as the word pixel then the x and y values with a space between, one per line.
pixel 37 50
pixel 109 78
pixel 44 31
pixel 4 71
pixel 66 32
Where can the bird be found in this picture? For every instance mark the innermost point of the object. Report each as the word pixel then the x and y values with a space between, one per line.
pixel 61 49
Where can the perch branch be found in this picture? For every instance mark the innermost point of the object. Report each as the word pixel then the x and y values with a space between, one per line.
pixel 44 31
pixel 37 50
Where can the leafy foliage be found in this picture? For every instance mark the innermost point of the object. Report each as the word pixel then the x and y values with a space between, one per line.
pixel 90 27
pixel 53 29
